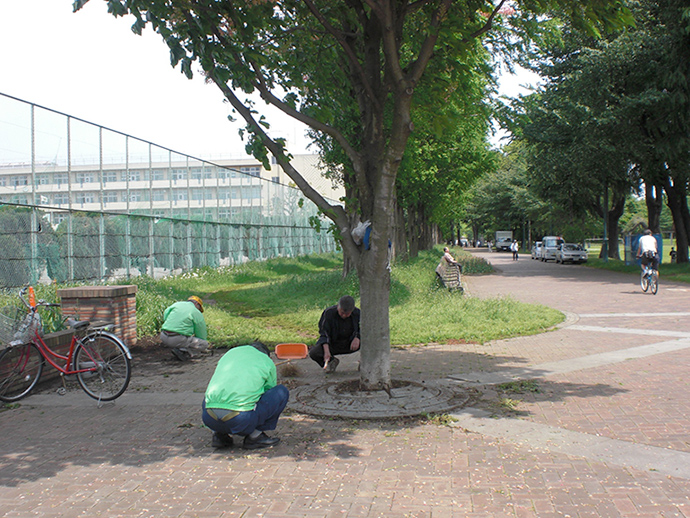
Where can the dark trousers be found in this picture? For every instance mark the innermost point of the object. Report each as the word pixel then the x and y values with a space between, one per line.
pixel 264 417
pixel 316 352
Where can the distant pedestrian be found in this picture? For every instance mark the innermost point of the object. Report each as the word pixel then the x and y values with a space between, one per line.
pixel 672 253
pixel 514 247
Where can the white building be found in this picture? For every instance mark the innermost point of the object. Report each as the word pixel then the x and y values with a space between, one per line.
pixel 173 186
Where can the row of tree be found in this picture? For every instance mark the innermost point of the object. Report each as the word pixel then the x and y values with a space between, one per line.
pixel 366 76
pixel 611 120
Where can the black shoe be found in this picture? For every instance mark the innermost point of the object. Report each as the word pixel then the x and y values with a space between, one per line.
pixel 221 440
pixel 181 354
pixel 332 365
pixel 262 441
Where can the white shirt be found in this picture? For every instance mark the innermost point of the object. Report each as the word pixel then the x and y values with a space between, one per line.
pixel 646 244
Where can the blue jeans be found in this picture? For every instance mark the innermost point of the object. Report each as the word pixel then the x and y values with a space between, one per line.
pixel 264 416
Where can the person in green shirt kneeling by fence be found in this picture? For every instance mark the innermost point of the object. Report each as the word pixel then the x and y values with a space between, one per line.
pixel 184 328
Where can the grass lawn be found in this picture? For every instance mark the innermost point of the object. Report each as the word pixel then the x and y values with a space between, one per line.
pixel 667 271
pixel 280 300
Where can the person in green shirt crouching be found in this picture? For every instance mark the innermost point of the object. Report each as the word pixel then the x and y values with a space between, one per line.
pixel 184 329
pixel 243 398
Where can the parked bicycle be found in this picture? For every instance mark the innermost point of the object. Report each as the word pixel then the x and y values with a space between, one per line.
pixel 649 280
pixel 98 359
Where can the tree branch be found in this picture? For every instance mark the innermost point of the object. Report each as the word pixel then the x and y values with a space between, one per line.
pixel 349 52
pixel 429 43
pixel 268 96
pixel 489 22
pixel 334 212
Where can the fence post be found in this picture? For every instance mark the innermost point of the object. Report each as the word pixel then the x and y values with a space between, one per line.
pixel 171 235
pixel 70 247
pixel 34 246
pixel 128 245
pixel 152 259
pixel 101 245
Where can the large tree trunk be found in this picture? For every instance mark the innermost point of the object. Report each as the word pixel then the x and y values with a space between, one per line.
pixel 414 237
pixel 614 216
pixel 654 200
pixel 677 201
pixel 400 236
pixel 375 330
pixel 373 269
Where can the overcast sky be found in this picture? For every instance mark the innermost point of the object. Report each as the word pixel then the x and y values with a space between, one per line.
pixel 91 66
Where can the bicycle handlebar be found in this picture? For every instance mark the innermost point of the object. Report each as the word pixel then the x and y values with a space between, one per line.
pixel 40 302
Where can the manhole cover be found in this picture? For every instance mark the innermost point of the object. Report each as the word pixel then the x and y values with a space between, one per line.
pixel 407 398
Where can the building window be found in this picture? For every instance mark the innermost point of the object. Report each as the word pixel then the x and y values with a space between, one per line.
pixel 83 178
pixel 180 195
pixel 19 198
pixel 85 197
pixel 202 194
pixel 196 173
pixel 223 213
pixel 179 174
pixel 61 199
pixel 43 179
pixel 132 176
pixel 158 175
pixel 59 218
pixel 254 170
pixel 251 192
pixel 60 179
pixel 18 181
pixel 159 195
pixel 3 181
pixel 275 179
pixel 133 196
pixel 223 194
pixel 109 197
pixel 109 176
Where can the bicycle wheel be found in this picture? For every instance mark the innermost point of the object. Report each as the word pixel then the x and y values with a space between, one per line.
pixel 111 376
pixel 21 367
pixel 654 283
pixel 644 282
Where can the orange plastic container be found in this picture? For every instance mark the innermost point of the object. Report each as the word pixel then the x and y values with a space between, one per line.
pixel 291 351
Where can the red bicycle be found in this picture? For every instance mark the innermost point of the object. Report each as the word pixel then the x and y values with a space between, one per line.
pixel 99 360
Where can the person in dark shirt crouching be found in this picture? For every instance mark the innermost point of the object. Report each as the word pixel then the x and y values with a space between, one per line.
pixel 338 334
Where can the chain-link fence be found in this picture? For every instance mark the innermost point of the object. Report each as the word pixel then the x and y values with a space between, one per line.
pixel 82 202
pixel 91 246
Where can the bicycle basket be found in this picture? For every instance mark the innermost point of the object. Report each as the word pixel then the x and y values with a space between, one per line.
pixel 20 329
pixel 10 319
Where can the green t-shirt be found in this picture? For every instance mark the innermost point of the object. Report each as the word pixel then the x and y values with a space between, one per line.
pixel 183 318
pixel 242 375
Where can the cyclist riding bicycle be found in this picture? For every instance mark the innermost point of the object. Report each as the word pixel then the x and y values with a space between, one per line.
pixel 647 251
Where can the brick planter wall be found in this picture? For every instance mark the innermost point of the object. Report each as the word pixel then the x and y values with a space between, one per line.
pixel 116 304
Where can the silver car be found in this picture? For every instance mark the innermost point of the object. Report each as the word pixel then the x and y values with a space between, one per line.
pixel 549 247
pixel 571 253
pixel 536 250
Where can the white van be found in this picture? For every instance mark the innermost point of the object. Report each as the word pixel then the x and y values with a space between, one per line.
pixel 549 246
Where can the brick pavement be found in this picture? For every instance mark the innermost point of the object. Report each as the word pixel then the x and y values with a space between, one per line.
pixel 148 455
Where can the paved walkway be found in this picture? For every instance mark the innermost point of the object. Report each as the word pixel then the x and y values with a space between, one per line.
pixel 606 435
